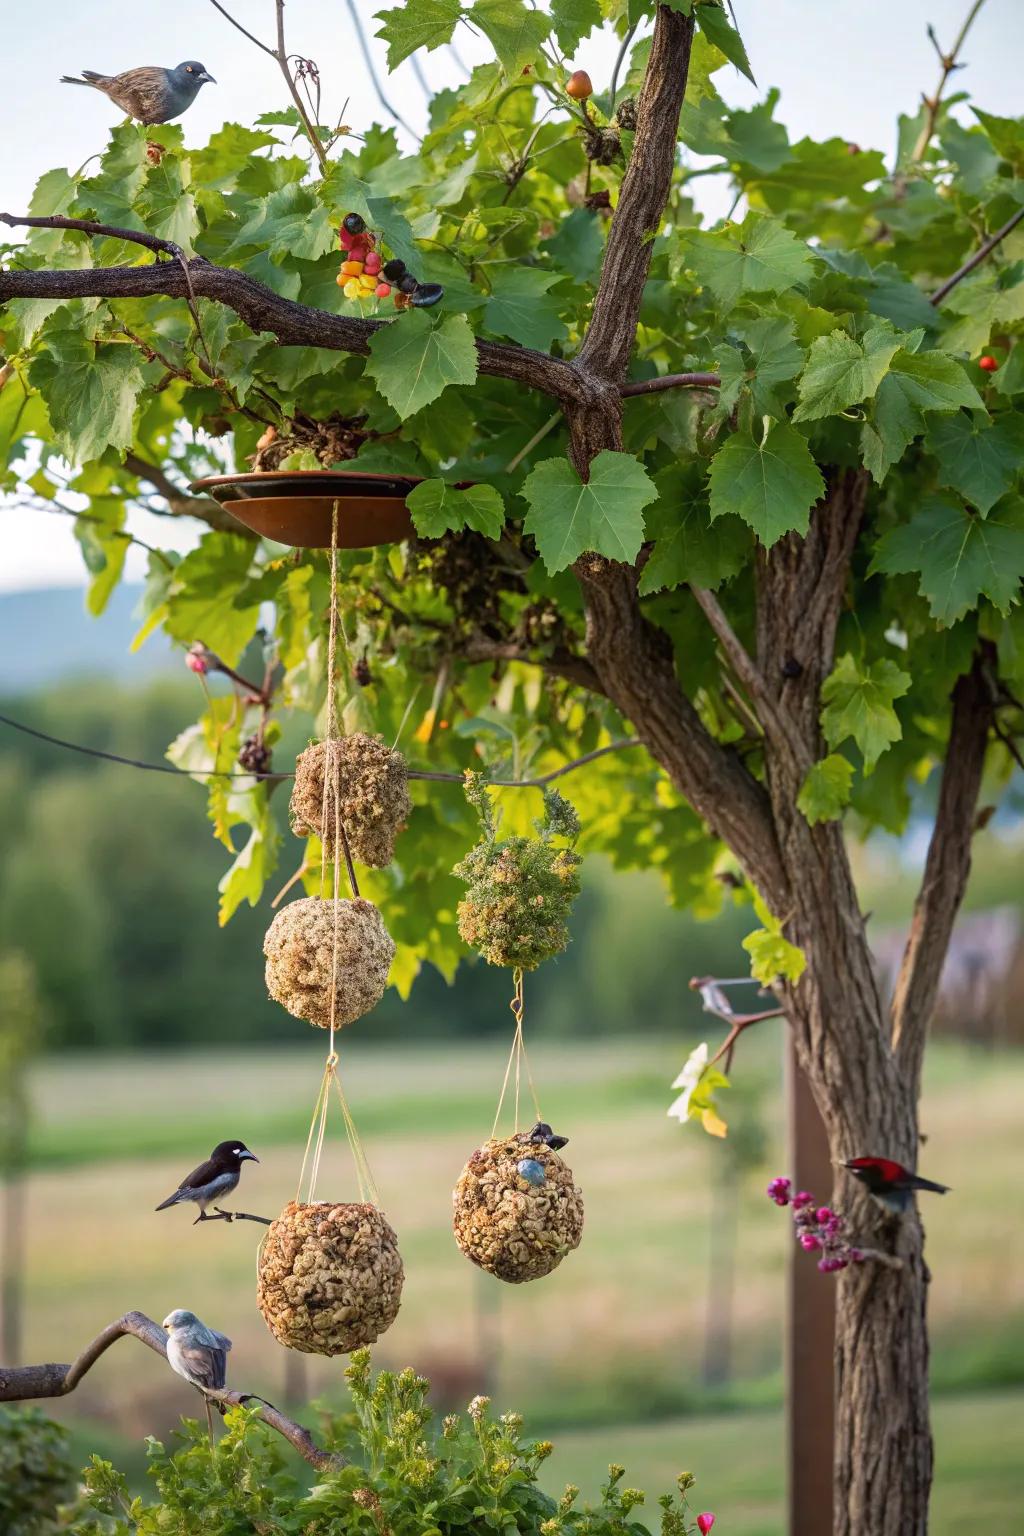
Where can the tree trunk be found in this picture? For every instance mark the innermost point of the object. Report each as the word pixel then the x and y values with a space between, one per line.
pixel 883 1464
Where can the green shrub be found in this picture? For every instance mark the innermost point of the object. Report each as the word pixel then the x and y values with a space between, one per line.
pixel 36 1476
pixel 403 1476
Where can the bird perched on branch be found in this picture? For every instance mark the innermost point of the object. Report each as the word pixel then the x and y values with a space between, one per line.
pixel 197 1353
pixel 889 1182
pixel 150 94
pixel 213 1180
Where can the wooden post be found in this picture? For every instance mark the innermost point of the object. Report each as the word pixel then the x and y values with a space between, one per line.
pixel 810 1326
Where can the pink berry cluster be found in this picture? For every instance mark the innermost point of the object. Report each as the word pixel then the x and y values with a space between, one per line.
pixel 819 1229
pixel 200 660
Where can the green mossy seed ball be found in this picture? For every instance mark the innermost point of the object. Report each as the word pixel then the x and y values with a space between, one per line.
pixel 515 912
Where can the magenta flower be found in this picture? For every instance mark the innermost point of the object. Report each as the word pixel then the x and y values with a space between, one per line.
pixel 778 1190
pixel 809 1241
pixel 803 1197
pixel 705 1522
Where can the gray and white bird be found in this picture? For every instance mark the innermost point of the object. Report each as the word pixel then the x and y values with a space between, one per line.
pixel 197 1353
pixel 149 94
pixel 213 1180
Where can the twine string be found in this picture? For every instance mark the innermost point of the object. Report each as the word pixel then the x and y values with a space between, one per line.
pixel 332 793
pixel 518 1058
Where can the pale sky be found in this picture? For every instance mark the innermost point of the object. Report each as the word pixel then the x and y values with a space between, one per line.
pixel 844 67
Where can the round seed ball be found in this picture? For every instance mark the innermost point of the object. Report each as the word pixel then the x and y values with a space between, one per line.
pixel 508 1225
pixel 329 1277
pixel 299 948
pixel 372 788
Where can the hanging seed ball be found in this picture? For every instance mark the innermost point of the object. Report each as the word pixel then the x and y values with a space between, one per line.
pixel 373 789
pixel 510 1222
pixel 329 1277
pixel 299 947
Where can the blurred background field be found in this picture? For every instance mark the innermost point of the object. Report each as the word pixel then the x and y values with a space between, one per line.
pixel 657 1344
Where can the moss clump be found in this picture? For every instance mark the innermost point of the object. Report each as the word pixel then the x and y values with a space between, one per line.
pixel 521 891
pixel 513 1227
pixel 329 1277
pixel 299 947
pixel 368 790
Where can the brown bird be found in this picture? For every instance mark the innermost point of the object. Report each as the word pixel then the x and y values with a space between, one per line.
pixel 150 94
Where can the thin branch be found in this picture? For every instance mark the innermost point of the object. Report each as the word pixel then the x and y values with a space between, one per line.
pixel 202 773
pixel 91 227
pixel 714 1001
pixel 223 1215
pixel 616 67
pixel 371 70
pixel 671 381
pixel 947 866
pixel 40 504
pixel 559 663
pixel 948 63
pixel 181 503
pixel 282 59
pixel 978 257
pixel 22 1383
pixel 238 25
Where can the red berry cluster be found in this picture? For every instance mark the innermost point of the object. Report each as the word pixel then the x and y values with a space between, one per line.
pixel 364 274
pixel 819 1229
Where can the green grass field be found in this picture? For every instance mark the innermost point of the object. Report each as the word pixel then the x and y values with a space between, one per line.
pixel 605 1354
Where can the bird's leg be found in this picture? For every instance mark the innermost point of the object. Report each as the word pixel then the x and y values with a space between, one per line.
pixel 223 1214
pixel 209 1415
pixel 203 1216
pixel 265 1221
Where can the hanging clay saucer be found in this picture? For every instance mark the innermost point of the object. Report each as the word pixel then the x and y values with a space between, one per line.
pixel 295 506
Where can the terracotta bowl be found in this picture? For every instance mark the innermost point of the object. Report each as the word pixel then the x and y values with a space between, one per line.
pixel 295 506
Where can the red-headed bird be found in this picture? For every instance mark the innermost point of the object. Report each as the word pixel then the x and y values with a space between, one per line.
pixel 889 1182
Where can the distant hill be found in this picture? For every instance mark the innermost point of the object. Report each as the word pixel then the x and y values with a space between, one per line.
pixel 47 636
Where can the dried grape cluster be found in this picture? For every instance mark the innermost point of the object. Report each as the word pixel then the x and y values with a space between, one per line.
pixel 520 891
pixel 369 791
pixel 329 1277
pixel 299 947
pixel 517 1212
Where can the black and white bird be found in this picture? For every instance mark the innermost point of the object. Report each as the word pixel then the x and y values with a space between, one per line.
pixel 213 1180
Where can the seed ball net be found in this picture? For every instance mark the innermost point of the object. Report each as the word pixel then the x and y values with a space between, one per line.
pixel 329 1277
pixel 369 793
pixel 299 947
pixel 506 1224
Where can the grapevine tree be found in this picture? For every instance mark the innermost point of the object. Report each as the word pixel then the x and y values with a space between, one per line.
pixel 747 493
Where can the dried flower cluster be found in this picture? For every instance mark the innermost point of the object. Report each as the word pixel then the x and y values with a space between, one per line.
pixel 329 1277
pixel 521 890
pixel 516 1228
pixel 299 947
pixel 368 790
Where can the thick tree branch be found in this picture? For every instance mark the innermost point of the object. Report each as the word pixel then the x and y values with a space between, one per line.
pixel 610 338
pixel 946 868
pixel 671 381
pixel 294 325
pixel 21 1383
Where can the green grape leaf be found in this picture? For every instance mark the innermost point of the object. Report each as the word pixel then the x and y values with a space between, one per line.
pixel 959 557
pixel 569 516
pixel 91 392
pixel 417 356
pixel 437 508
pixel 256 861
pixel 840 372
pixel 515 33
pixel 714 23
pixel 573 20
pixel 825 792
pixel 688 546
pixel 978 459
pixel 290 222
pixel 859 704
pixel 521 308
pixel 758 256
pixel 205 600
pixel 771 485
pixel 417 24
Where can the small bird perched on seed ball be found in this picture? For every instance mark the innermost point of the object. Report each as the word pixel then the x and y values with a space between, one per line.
pixel 150 94
pixel 212 1180
pixel 889 1182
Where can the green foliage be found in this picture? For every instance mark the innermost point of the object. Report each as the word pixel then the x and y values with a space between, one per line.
pixel 520 890
pixel 814 308
pixel 402 1474
pixel 36 1477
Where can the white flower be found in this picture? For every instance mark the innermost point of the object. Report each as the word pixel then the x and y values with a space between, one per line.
pixel 688 1079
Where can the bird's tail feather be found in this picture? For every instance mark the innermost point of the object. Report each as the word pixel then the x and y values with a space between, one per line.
pixel 171 1200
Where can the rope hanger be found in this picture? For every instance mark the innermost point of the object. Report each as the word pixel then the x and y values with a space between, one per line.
pixel 310 1169
pixel 518 1058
